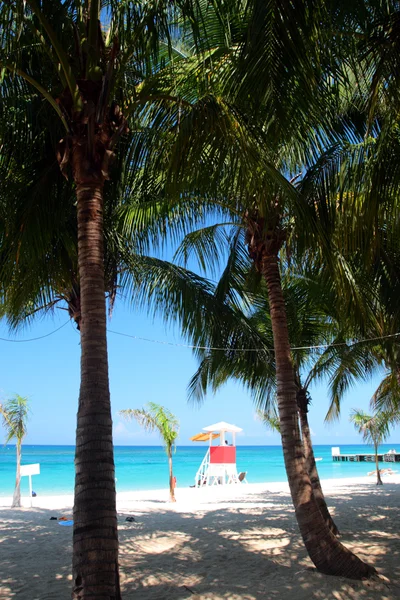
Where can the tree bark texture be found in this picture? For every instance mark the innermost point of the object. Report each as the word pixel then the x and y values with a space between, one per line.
pixel 16 501
pixel 171 477
pixel 95 536
pixel 312 471
pixel 324 549
pixel 378 473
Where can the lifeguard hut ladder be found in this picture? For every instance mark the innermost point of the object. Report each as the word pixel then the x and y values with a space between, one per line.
pixel 201 475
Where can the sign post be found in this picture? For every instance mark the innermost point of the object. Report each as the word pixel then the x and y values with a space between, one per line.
pixel 30 470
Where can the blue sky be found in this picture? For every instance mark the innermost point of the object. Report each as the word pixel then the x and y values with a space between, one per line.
pixel 48 372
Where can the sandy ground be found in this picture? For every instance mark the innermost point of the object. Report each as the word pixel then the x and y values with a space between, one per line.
pixel 237 543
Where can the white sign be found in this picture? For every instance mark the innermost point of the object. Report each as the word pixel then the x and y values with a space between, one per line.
pixel 30 469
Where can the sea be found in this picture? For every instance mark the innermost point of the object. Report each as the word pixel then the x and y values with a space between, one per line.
pixel 146 467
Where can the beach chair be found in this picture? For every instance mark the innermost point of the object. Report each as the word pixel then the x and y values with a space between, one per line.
pixel 242 477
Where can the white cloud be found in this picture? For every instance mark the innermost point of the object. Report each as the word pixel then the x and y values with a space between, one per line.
pixel 120 428
pixel 122 433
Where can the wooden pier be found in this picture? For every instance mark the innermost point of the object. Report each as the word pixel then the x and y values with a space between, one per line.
pixel 389 457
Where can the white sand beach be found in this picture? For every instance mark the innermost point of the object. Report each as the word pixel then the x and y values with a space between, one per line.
pixel 236 543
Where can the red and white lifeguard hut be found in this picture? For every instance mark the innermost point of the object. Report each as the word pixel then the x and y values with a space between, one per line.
pixel 219 463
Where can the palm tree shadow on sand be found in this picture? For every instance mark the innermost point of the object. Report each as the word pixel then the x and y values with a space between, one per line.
pixel 243 550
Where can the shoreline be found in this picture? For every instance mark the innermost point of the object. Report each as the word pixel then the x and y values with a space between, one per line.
pixel 145 468
pixel 187 496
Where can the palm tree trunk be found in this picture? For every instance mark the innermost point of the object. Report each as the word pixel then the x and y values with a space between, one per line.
pixel 313 472
pixel 16 501
pixel 378 473
pixel 324 549
pixel 95 537
pixel 171 477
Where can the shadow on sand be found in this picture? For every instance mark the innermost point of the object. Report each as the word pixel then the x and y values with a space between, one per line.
pixel 246 550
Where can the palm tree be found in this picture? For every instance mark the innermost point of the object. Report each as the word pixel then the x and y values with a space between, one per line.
pixel 244 150
pixel 260 207
pixel 268 212
pixel 309 325
pixel 374 429
pixel 155 417
pixel 15 416
pixel 268 226
pixel 70 83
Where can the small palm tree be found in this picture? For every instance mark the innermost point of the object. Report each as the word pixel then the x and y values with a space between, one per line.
pixel 15 415
pixel 155 417
pixel 374 429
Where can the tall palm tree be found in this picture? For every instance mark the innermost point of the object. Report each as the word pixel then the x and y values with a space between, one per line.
pixel 374 429
pixel 267 229
pixel 286 125
pixel 155 417
pixel 261 203
pixel 230 337
pixel 268 212
pixel 15 416
pixel 309 326
pixel 71 82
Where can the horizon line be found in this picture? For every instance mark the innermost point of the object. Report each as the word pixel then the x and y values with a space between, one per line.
pixel 205 444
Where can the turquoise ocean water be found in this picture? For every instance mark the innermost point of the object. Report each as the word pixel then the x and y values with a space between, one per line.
pixel 146 467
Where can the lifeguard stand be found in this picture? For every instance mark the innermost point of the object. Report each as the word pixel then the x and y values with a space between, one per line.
pixel 219 463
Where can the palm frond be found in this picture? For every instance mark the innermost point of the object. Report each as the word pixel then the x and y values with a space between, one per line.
pixel 155 417
pixel 373 428
pixel 270 419
pixel 15 413
pixel 386 398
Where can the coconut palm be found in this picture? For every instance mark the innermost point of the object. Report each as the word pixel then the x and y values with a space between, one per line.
pixel 15 416
pixel 265 212
pixel 268 227
pixel 70 83
pixel 260 207
pixel 309 325
pixel 374 430
pixel 285 131
pixel 154 417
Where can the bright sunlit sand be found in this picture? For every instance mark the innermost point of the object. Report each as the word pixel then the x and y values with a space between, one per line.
pixel 236 543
